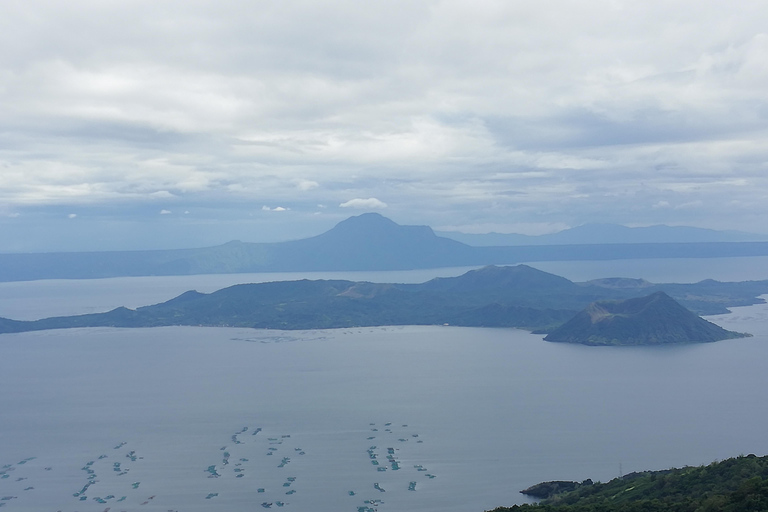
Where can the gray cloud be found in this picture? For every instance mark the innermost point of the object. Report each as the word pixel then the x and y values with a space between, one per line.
pixel 532 116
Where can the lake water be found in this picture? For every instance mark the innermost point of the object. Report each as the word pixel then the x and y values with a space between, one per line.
pixel 467 416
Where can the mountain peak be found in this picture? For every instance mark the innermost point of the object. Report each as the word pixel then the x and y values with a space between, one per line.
pixel 656 319
pixel 371 240
pixel 492 276
pixel 374 223
pixel 368 218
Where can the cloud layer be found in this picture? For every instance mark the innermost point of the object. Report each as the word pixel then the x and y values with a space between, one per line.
pixel 364 204
pixel 453 114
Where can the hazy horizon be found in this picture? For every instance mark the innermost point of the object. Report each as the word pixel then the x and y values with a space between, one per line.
pixel 591 233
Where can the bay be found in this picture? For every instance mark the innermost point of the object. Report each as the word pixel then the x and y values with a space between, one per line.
pixel 495 410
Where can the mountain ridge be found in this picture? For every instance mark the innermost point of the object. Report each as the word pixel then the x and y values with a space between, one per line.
pixel 364 242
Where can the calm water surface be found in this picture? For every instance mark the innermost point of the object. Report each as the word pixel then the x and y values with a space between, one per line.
pixel 470 415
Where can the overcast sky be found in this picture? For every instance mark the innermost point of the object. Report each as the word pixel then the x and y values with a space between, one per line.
pixel 145 124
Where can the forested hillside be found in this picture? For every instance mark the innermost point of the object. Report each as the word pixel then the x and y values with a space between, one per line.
pixel 739 484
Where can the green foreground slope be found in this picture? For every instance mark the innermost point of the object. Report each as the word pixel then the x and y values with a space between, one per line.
pixel 737 484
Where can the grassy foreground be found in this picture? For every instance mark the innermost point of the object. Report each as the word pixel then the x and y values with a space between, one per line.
pixel 737 484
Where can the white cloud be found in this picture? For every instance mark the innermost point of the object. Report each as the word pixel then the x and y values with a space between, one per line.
pixel 275 209
pixel 364 204
pixel 162 194
pixel 165 212
pixel 306 184
pixel 71 215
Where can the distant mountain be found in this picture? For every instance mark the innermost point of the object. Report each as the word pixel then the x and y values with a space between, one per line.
pixel 520 285
pixel 518 296
pixel 607 234
pixel 492 277
pixel 371 241
pixel 365 242
pixel 655 319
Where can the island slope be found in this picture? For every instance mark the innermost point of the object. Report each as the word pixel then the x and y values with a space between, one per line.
pixel 656 319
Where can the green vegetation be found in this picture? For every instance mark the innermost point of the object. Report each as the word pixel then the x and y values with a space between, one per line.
pixel 735 485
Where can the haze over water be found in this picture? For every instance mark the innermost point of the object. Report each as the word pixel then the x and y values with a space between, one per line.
pixel 485 412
